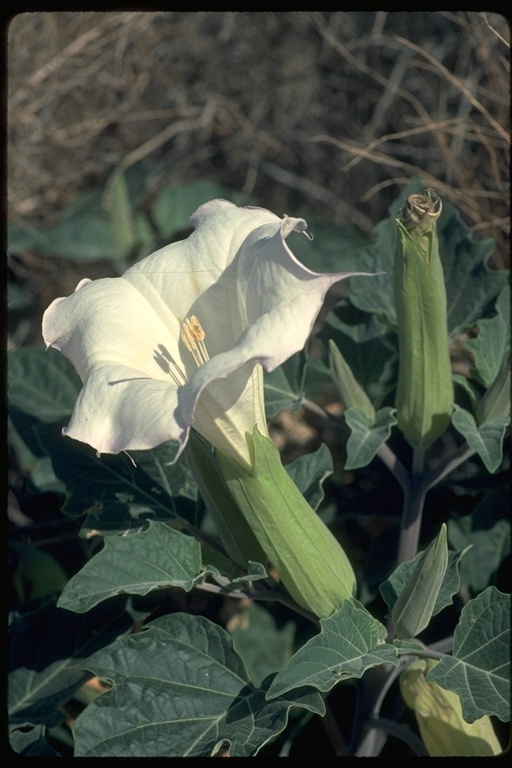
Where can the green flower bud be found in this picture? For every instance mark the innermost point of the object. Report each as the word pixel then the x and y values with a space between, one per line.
pixel 424 400
pixel 310 561
pixel 415 604
pixel 348 388
pixel 438 712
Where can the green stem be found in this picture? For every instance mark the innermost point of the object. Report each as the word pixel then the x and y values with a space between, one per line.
pixel 414 501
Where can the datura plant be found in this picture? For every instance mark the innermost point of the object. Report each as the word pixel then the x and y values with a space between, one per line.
pixel 175 359
pixel 182 339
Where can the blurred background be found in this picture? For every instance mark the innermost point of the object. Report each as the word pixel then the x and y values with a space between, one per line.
pixel 329 114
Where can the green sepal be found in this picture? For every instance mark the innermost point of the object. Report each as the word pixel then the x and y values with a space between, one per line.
pixel 415 604
pixel 235 534
pixel 311 563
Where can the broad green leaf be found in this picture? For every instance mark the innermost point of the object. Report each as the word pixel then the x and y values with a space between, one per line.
pixel 29 741
pixel 487 531
pixel 18 298
pixel 486 440
pixel 41 383
pixel 392 587
pixel 491 345
pixel 38 574
pixel 176 479
pixel 174 205
pixel 46 652
pixel 309 471
pixel 180 690
pixel 468 390
pixel 86 232
pixel 333 249
pixel 365 439
pixel 479 670
pixel 115 494
pixel 350 642
pixel 136 564
pixel 263 646
pixel 284 386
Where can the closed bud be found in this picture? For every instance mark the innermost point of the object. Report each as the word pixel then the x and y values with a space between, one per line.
pixel 438 712
pixel 424 400
pixel 348 388
pixel 415 604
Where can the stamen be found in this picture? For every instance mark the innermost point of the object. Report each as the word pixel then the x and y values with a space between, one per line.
pixel 193 336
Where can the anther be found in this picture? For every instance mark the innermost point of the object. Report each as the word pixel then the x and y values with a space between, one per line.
pixel 193 336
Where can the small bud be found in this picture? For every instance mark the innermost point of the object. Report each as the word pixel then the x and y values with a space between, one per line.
pixel 438 712
pixel 424 399
pixel 348 388
pixel 415 604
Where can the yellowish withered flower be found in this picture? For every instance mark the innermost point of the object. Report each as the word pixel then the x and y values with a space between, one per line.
pixel 438 712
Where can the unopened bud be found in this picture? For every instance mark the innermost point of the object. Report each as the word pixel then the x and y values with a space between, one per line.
pixel 424 398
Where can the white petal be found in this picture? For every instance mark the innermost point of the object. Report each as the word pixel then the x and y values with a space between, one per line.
pixel 254 300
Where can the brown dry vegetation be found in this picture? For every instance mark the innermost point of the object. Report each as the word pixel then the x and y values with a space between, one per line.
pixel 336 111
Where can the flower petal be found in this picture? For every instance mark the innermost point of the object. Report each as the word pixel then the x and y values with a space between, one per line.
pixel 255 302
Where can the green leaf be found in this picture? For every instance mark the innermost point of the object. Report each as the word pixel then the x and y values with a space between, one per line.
pixel 46 652
pixel 479 670
pixel 176 479
pixel 487 531
pixel 350 642
pixel 180 691
pixel 392 587
pixel 366 439
pixel 491 346
pixel 263 646
pixel 41 383
pixel 18 298
pixel 30 741
pixel 284 386
pixel 174 205
pixel 115 494
pixel 486 439
pixel 334 248
pixel 136 564
pixel 87 232
pixel 309 471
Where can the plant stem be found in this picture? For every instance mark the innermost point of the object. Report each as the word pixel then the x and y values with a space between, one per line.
pixel 414 500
